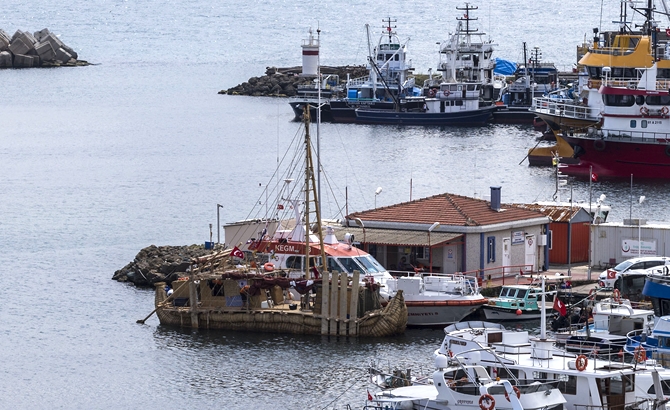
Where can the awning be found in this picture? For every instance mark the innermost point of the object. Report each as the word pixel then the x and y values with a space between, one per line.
pixel 396 236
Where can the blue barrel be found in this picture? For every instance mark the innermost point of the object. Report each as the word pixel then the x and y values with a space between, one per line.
pixel 352 94
pixel 209 245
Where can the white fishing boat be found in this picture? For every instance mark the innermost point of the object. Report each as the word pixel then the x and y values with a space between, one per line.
pixel 455 385
pixel 592 382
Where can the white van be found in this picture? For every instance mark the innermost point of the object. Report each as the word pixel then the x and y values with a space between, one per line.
pixel 631 266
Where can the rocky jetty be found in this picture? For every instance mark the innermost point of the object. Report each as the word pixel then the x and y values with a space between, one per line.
pixel 159 264
pixel 284 82
pixel 41 49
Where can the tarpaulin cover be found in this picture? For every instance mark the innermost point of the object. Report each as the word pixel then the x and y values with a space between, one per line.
pixel 504 67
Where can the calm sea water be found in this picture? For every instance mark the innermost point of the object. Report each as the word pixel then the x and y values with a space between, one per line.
pixel 101 161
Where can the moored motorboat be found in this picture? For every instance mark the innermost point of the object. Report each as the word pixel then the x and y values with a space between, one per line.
pixel 468 386
pixel 515 302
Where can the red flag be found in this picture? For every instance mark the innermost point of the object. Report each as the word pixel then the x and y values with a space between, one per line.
pixel 560 306
pixel 369 396
pixel 280 206
pixel 315 272
pixel 236 252
pixel 594 177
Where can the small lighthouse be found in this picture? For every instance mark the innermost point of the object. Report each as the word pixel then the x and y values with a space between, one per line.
pixel 310 55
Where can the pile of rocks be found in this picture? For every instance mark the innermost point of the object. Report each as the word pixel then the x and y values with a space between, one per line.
pixel 284 82
pixel 160 264
pixel 41 49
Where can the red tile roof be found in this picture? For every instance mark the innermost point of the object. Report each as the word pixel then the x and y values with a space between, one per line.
pixel 448 209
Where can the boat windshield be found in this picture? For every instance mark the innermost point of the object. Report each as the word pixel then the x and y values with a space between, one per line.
pixel 349 265
pixel 370 264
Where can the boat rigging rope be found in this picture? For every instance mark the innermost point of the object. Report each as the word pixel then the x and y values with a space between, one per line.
pixel 347 389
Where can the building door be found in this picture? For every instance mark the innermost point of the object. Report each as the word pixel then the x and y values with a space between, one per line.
pixel 450 259
pixel 531 249
pixel 506 255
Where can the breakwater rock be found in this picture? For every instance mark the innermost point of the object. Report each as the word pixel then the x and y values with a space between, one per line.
pixel 284 82
pixel 160 264
pixel 41 49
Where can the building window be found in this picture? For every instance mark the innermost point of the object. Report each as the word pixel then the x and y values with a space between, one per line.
pixel 491 248
pixel 550 241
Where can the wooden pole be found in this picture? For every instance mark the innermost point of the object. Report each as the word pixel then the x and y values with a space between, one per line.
pixel 353 304
pixel 193 301
pixel 325 303
pixel 334 297
pixel 344 291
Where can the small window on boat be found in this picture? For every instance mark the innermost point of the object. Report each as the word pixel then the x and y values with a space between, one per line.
pixel 639 100
pixel 397 57
pixel 666 388
pixel 567 384
pixel 633 123
pixel 643 124
pixel 472 87
pixel 458 103
pixel 294 262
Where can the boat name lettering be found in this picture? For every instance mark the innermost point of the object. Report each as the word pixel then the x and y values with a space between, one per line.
pixel 457 342
pixel 287 248
pixel 654 122
pixel 422 314
pixel 465 402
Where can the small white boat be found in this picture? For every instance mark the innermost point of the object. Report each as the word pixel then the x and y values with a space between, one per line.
pixel 460 386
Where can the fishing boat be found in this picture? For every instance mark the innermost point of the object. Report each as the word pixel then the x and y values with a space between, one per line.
pixel 455 384
pixel 254 296
pixel 389 81
pixel 515 302
pixel 612 321
pixel 462 95
pixel 652 343
pixel 595 382
pixel 617 56
pixel 532 79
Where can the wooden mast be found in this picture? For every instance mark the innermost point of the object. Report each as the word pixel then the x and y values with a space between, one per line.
pixel 310 189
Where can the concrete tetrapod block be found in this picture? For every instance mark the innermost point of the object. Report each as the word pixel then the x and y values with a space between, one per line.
pixel 55 41
pixel 23 61
pixel 19 47
pixel 16 35
pixel 45 51
pixel 40 35
pixel 4 40
pixel 28 39
pixel 6 59
pixel 63 55
pixel 70 51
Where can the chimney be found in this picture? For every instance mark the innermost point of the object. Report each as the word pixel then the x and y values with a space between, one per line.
pixel 495 198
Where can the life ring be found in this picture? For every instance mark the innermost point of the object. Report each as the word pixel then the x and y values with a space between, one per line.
pixel 664 111
pixel 599 145
pixel 581 362
pixel 269 267
pixel 640 354
pixel 431 93
pixel 516 391
pixel 446 93
pixel 592 293
pixel 644 110
pixel 490 399
pixel 616 295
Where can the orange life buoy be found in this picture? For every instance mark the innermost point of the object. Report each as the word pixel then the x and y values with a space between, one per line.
pixel 516 391
pixel 446 93
pixel 490 399
pixel 664 111
pixel 431 93
pixel 581 362
pixel 640 354
pixel 616 295
pixel 644 110
pixel 269 267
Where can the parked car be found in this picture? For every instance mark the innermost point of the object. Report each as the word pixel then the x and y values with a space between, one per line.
pixel 608 278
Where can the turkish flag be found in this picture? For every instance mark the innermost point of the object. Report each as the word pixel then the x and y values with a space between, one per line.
pixel 236 252
pixel 594 177
pixel 611 274
pixel 559 306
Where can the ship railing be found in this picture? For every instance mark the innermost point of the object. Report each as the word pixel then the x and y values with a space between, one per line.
pixel 644 404
pixel 566 109
pixel 612 51
pixel 642 137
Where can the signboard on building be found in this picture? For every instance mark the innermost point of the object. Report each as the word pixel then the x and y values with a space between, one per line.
pixel 518 237
pixel 631 248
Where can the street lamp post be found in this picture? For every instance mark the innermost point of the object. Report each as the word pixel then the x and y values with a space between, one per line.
pixel 218 224
pixel 430 249
pixel 377 192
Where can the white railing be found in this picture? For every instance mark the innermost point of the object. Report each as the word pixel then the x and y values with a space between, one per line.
pixel 566 109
